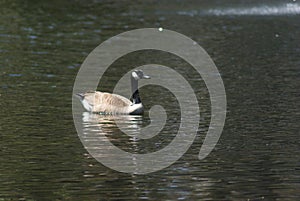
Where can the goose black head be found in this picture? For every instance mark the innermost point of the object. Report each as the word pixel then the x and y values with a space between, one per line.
pixel 139 74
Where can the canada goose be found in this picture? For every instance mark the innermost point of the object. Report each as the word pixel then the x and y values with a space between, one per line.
pixel 108 103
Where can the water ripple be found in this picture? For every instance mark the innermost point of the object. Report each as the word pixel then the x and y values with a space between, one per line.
pixel 286 9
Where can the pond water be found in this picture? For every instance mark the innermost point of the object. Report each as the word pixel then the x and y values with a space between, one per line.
pixel 255 47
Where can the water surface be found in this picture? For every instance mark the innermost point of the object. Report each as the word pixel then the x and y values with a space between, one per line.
pixel 255 47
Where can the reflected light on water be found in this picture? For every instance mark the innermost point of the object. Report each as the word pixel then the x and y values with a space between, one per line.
pixel 286 9
pixel 108 123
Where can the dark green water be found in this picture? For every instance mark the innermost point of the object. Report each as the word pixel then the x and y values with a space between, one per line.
pixel 256 49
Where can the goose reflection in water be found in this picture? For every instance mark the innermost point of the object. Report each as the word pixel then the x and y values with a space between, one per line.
pixel 111 124
pixel 105 136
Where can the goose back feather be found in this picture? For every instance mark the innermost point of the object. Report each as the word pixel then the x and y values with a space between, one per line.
pixel 96 101
pixel 109 103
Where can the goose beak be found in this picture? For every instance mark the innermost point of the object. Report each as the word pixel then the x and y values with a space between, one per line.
pixel 146 77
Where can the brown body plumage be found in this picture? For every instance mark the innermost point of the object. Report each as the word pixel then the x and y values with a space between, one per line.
pixel 102 102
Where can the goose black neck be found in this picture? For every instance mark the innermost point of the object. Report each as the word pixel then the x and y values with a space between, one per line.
pixel 134 84
pixel 135 98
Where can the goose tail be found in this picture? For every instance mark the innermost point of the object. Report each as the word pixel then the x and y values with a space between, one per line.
pixel 80 96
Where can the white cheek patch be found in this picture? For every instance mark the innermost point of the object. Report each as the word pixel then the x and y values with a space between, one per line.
pixel 135 75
